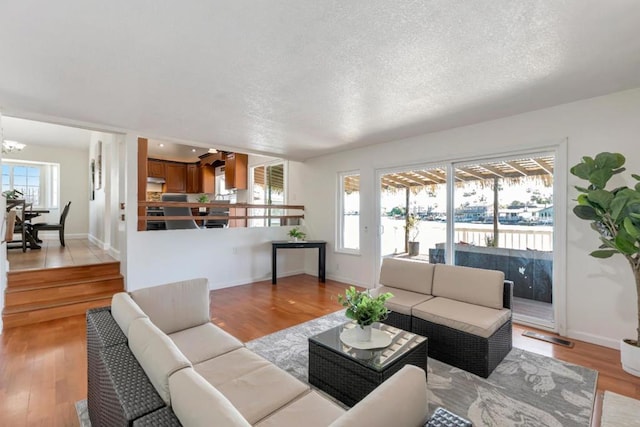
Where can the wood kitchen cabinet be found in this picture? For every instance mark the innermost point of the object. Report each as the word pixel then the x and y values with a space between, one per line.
pixel 235 171
pixel 176 178
pixel 193 180
pixel 156 169
pixel 207 176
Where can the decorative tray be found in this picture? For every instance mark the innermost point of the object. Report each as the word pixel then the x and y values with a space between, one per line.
pixel 379 339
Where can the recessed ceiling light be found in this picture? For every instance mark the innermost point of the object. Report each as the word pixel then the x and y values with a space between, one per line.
pixel 193 150
pixel 161 145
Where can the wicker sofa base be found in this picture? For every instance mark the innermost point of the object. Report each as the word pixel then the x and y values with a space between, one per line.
pixel 469 352
pixel 398 320
pixel 119 392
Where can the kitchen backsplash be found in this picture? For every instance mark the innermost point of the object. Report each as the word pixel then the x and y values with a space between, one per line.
pixel 156 196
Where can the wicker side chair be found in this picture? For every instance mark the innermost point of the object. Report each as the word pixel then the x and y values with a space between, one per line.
pixel 466 351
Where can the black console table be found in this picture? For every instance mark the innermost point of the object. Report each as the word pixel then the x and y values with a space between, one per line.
pixel 284 244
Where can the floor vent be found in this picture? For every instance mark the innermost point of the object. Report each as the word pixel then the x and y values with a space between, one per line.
pixel 548 338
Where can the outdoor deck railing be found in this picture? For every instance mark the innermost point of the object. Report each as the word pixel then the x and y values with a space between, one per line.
pixel 526 237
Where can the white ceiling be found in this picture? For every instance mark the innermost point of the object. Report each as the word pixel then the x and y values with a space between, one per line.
pixel 301 78
pixel 38 133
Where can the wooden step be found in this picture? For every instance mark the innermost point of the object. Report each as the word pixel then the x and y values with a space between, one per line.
pixel 12 320
pixel 40 295
pixel 58 293
pixel 51 276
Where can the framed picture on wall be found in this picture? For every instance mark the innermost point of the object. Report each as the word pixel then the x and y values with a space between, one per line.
pixel 92 179
pixel 99 166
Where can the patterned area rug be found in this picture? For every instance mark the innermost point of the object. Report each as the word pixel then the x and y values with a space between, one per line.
pixel 526 389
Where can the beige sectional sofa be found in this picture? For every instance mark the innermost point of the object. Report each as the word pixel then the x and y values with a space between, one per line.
pixel 465 312
pixel 205 376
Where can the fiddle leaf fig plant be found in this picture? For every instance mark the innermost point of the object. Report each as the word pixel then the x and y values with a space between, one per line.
pixel 614 214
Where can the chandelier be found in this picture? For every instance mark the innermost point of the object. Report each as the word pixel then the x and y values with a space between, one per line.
pixel 9 146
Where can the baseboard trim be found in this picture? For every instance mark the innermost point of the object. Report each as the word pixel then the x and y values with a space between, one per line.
pixel 214 286
pixel 345 280
pixel 594 339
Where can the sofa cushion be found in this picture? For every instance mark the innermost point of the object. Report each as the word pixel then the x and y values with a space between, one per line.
pixel 259 393
pixel 410 275
pixel 124 311
pixel 471 318
pixel 310 410
pixel 204 342
pixel 157 354
pixel 399 401
pixel 255 386
pixel 229 366
pixel 467 284
pixel 197 403
pixel 175 306
pixel 402 300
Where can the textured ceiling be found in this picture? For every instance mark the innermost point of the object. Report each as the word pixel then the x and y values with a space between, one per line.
pixel 301 78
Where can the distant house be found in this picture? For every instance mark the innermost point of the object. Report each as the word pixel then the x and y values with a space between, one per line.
pixel 545 215
pixel 471 213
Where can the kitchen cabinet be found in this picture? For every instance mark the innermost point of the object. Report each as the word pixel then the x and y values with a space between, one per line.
pixel 156 169
pixel 193 180
pixel 176 178
pixel 207 176
pixel 235 171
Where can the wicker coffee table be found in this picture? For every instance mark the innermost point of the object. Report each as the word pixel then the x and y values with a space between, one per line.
pixel 349 374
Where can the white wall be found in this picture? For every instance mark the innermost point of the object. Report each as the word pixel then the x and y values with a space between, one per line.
pixel 74 184
pixel 227 257
pixel 600 294
pixel 104 210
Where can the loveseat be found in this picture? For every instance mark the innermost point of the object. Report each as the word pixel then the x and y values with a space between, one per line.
pixel 155 359
pixel 464 312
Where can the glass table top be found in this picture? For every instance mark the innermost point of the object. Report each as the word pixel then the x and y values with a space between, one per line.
pixel 378 359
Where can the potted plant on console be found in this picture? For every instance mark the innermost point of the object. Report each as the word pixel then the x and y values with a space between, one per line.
pixel 296 235
pixel 364 309
pixel 615 216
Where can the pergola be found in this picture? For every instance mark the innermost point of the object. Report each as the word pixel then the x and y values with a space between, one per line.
pixel 538 168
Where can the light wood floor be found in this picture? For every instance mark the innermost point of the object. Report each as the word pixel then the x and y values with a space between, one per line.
pixel 53 254
pixel 43 367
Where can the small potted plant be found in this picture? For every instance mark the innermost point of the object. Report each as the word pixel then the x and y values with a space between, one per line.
pixel 412 226
pixel 296 234
pixel 364 309
pixel 203 199
pixel 12 194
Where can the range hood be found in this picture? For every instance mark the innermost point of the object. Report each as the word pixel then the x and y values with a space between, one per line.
pixel 153 180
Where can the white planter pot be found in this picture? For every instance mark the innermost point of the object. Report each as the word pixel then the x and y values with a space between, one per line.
pixel 630 358
pixel 363 333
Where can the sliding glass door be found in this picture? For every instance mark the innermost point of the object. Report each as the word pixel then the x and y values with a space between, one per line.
pixel 503 220
pixel 413 205
pixel 494 213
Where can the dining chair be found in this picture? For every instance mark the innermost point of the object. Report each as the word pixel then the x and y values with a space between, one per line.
pixel 46 226
pixel 218 211
pixel 12 227
pixel 177 211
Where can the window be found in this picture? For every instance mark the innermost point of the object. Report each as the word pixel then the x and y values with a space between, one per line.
pixel 267 188
pixel 349 212
pixel 37 181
